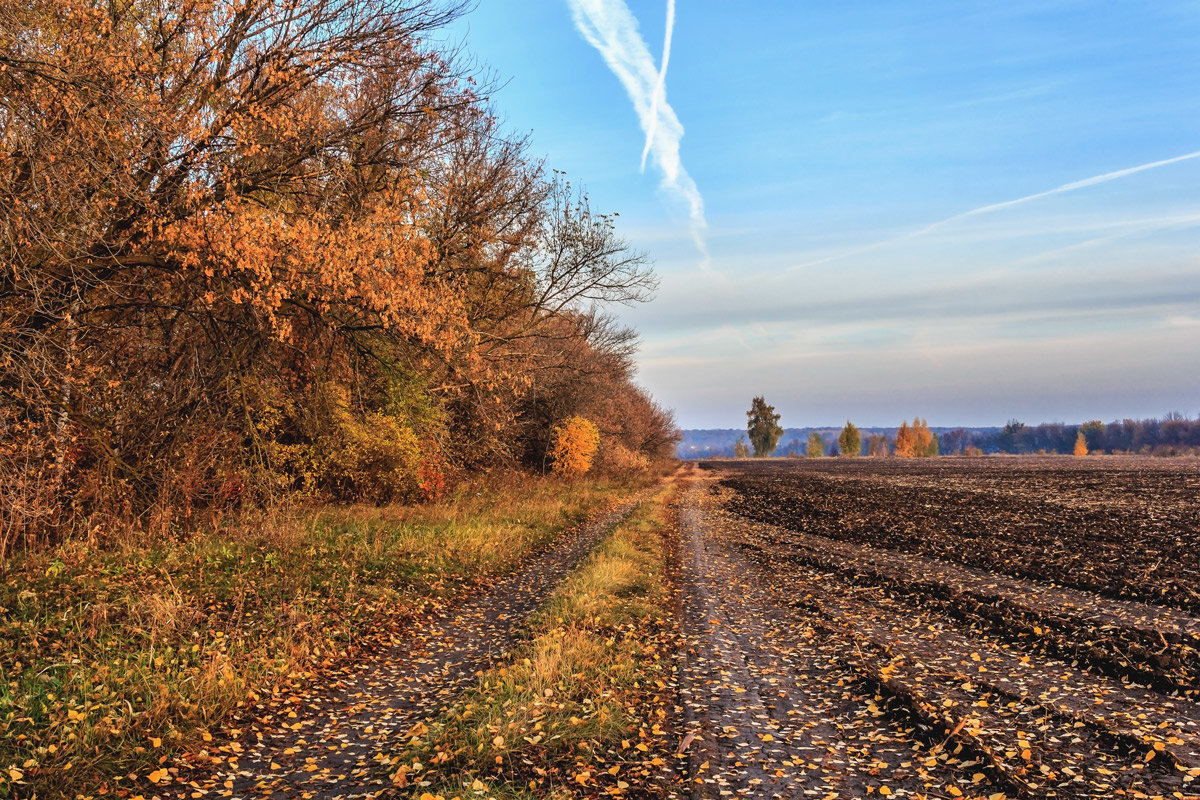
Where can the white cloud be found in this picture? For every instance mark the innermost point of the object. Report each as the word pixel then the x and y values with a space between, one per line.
pixel 988 209
pixel 610 27
pixel 660 88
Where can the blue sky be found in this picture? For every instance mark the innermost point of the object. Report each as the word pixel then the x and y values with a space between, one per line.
pixel 829 197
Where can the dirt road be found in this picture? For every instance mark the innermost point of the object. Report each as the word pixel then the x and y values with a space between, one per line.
pixel 333 742
pixel 815 667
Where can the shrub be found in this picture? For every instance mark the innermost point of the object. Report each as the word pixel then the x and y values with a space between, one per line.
pixel 575 442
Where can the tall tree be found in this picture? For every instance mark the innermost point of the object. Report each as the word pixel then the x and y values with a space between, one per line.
pixel 762 426
pixel 906 441
pixel 926 440
pixel 850 440
pixel 816 446
pixel 262 243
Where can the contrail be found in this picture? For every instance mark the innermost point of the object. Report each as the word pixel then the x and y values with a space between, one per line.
pixel 1066 187
pixel 610 27
pixel 661 86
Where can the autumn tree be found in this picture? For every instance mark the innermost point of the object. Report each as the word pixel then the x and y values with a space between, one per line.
pixel 877 445
pixel 574 446
pixel 1081 448
pixel 265 246
pixel 816 446
pixel 906 441
pixel 762 426
pixel 850 440
pixel 926 441
pixel 740 448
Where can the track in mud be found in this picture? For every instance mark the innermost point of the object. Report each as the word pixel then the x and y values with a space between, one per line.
pixel 823 662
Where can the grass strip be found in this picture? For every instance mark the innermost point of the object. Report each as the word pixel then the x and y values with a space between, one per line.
pixel 115 654
pixel 582 707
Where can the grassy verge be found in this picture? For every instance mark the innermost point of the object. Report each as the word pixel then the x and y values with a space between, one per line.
pixel 112 656
pixel 582 707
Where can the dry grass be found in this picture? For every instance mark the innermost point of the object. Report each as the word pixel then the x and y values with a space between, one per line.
pixel 114 652
pixel 579 708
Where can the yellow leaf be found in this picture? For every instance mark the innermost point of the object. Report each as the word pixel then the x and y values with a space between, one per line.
pixel 155 741
pixel 883 790
pixel 15 774
pixel 954 790
pixel 498 741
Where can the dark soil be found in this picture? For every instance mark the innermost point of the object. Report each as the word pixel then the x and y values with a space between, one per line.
pixel 1121 527
pixel 868 648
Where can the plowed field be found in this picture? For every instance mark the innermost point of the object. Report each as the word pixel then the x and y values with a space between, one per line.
pixel 956 627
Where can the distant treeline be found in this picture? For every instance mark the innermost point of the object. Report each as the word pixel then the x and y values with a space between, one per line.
pixel 1174 434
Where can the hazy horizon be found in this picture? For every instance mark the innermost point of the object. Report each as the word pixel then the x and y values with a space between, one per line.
pixel 870 211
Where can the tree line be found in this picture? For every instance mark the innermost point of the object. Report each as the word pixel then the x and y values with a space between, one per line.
pixel 1174 434
pixel 259 248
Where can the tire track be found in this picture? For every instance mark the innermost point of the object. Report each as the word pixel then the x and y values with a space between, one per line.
pixel 332 742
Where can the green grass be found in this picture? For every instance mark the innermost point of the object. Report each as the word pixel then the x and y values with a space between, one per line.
pixel 580 707
pixel 114 654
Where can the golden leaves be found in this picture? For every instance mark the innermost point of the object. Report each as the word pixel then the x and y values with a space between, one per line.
pixel 574 444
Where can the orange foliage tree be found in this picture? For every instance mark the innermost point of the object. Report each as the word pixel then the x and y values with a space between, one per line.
pixel 906 441
pixel 926 445
pixel 915 441
pixel 574 446
pixel 236 232
pixel 1081 448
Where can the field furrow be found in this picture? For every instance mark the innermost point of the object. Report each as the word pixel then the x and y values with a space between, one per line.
pixel 924 673
pixel 1124 639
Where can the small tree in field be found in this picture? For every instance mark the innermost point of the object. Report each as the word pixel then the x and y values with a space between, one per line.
pixel 762 425
pixel 906 441
pixel 816 447
pixel 877 445
pixel 1081 448
pixel 850 440
pixel 574 446
pixel 926 440
pixel 740 448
